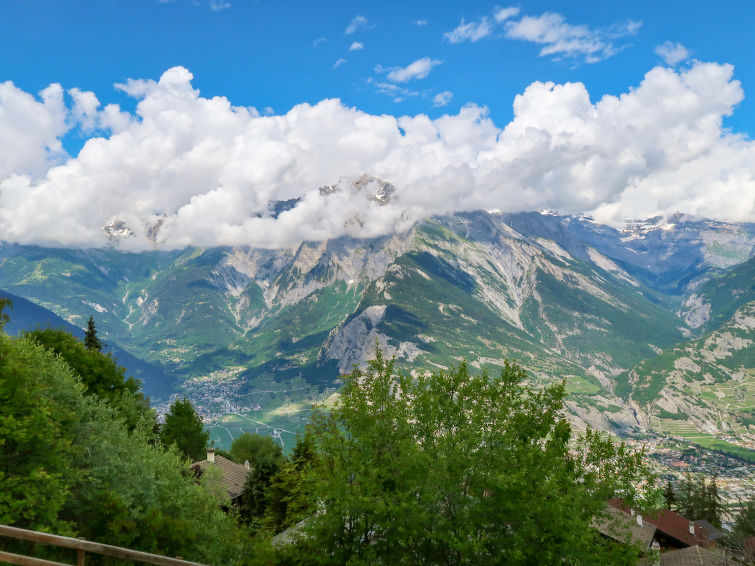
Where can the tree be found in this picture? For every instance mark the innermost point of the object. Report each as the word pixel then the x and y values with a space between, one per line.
pixel 669 497
pixel 38 403
pixel 4 318
pixel 265 458
pixel 287 501
pixel 454 468
pixel 700 499
pixel 255 448
pixel 184 428
pixel 100 374
pixel 90 337
pixel 742 531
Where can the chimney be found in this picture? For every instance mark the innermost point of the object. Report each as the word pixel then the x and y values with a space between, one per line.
pixel 211 455
pixel 639 519
pixel 246 465
pixel 692 528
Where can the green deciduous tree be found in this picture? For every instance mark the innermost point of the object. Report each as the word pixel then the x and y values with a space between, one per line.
pixel 454 468
pixel 38 403
pixel 100 373
pixel 183 428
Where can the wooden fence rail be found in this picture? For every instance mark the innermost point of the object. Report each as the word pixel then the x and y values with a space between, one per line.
pixel 81 547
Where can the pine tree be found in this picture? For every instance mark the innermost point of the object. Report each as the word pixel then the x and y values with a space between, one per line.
pixel 668 495
pixel 90 337
pixel 183 427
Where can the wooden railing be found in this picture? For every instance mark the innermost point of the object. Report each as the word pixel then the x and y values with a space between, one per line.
pixel 81 547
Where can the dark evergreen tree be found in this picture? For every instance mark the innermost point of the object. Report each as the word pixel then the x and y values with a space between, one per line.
pixel 4 318
pixel 265 458
pixel 184 428
pixel 90 337
pixel 668 495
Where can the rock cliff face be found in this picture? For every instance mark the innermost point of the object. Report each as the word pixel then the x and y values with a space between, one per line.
pixel 566 297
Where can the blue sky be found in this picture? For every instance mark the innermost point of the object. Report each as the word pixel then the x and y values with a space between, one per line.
pixel 277 54
pixel 466 62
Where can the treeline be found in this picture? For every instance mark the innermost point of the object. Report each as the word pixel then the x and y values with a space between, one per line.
pixel 448 468
pixel 81 455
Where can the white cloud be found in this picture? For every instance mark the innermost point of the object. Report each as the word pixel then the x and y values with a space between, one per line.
pixel 217 5
pixel 470 31
pixel 419 69
pixel 442 98
pixel 558 38
pixel 420 23
pixel 672 53
pixel 396 92
pixel 356 46
pixel 212 168
pixel 318 41
pixel 503 14
pixel 565 40
pixel 30 129
pixel 356 24
pixel 339 62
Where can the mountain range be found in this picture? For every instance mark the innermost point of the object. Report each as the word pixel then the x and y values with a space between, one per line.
pixel 652 325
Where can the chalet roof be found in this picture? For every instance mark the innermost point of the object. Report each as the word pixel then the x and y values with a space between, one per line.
pixel 621 527
pixel 675 525
pixel 672 524
pixel 233 475
pixel 713 532
pixel 690 556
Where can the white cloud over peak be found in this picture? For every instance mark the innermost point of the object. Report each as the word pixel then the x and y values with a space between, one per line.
pixel 419 69
pixel 672 53
pixel 205 171
pixel 356 46
pixel 356 24
pixel 442 98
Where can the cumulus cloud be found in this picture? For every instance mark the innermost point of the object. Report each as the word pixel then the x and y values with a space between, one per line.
pixel 356 24
pixel 419 69
pixel 672 53
pixel 189 170
pixel 442 98
pixel 30 129
pixel 356 46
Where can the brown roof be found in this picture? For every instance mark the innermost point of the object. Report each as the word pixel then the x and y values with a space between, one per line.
pixel 677 526
pixel 621 527
pixel 233 475
pixel 690 556
pixel 671 524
